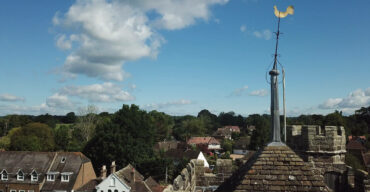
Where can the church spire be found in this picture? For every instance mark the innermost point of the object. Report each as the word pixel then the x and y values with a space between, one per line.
pixel 274 81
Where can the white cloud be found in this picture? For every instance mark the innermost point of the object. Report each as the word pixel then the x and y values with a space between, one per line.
pixel 10 98
pixel 260 93
pixel 243 28
pixel 58 101
pixel 265 34
pixel 156 106
pixel 106 92
pixel 239 91
pixel 109 33
pixel 354 100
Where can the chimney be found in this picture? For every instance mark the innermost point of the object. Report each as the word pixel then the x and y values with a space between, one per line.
pixel 133 174
pixel 113 167
pixel 103 172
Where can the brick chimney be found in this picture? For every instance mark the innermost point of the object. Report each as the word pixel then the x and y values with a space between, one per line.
pixel 103 172
pixel 113 167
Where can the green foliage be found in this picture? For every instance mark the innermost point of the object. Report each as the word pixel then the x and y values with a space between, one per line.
pixel 261 136
pixel 230 118
pixel 210 120
pixel 190 127
pixel 227 145
pixel 62 138
pixel 70 118
pixel 127 138
pixel 163 124
pixel 32 137
pixel 48 119
pixel 354 162
pixel 225 155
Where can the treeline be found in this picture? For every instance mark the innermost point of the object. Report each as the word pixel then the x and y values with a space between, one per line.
pixel 128 135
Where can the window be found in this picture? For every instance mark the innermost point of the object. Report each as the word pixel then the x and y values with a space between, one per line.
pixel 115 190
pixel 112 182
pixel 65 178
pixel 20 175
pixel 21 190
pixel 30 191
pixel 63 160
pixel 4 175
pixel 109 190
pixel 34 176
pixel 12 190
pixel 50 177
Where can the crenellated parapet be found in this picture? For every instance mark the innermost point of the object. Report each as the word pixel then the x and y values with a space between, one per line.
pixel 324 148
pixel 317 139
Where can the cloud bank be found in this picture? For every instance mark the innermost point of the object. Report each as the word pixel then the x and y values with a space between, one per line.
pixel 101 35
pixel 355 100
pixel 10 98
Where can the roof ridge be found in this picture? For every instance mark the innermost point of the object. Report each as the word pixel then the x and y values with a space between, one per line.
pixel 275 168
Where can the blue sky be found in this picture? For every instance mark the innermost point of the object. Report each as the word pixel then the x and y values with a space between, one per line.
pixel 181 56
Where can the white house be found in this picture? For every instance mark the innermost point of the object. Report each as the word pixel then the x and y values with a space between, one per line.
pixel 113 184
pixel 127 179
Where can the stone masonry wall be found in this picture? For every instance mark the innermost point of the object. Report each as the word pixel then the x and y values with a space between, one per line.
pixel 193 178
pixel 324 148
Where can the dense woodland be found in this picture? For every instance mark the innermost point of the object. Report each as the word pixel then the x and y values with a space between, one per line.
pixel 128 135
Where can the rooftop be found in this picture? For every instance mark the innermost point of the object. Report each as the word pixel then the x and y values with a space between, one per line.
pixel 275 168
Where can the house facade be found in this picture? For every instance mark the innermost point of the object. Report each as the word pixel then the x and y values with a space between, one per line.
pixel 23 171
pixel 127 179
pixel 210 142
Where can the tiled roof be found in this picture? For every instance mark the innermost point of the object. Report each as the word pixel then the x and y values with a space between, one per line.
pixel 233 128
pixel 26 161
pixel 43 163
pixel 126 175
pixel 203 140
pixel 275 168
pixel 355 145
pixel 350 137
pixel 72 164
pixel 137 185
pixel 89 186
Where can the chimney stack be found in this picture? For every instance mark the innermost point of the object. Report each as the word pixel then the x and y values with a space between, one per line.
pixel 133 174
pixel 103 172
pixel 113 167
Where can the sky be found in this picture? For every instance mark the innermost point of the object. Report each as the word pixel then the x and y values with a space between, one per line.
pixel 180 57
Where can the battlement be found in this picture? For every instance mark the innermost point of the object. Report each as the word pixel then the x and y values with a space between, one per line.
pixel 317 139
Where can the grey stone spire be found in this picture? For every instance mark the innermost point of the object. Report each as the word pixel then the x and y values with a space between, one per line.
pixel 274 81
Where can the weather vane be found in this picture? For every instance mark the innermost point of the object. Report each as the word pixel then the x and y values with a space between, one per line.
pixel 275 116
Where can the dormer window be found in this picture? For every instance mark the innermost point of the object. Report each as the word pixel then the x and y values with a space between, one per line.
pixel 65 176
pixel 4 175
pixel 34 176
pixel 50 176
pixel 20 175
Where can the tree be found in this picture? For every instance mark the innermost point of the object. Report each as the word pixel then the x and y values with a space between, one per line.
pixel 70 118
pixel 87 121
pixel 163 125
pixel 227 145
pixel 33 137
pixel 62 138
pixel 126 138
pixel 190 127
pixel 210 120
pixel 261 136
